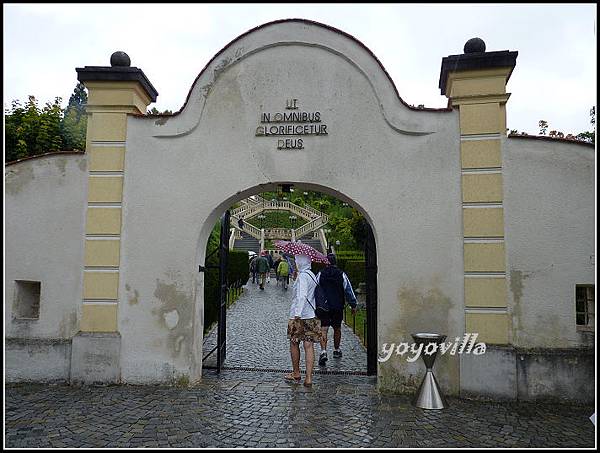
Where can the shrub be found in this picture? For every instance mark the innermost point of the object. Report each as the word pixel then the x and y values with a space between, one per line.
pixel 237 269
pixel 355 270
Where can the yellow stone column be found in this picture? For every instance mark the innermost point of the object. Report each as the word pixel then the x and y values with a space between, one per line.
pixel 113 93
pixel 475 83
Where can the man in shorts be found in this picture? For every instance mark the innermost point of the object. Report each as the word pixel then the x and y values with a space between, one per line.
pixel 338 289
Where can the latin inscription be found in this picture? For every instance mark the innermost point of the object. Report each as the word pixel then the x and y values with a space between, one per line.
pixel 292 123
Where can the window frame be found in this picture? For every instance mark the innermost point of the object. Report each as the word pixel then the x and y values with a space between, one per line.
pixel 17 309
pixel 590 305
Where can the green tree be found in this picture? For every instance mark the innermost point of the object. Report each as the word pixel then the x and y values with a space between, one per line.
pixel 359 228
pixel 74 124
pixel 589 136
pixel 14 145
pixel 154 111
pixel 31 130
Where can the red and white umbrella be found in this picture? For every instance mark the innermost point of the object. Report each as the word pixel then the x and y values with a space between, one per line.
pixel 299 248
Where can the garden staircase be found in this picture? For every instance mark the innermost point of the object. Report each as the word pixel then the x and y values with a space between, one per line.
pixel 253 206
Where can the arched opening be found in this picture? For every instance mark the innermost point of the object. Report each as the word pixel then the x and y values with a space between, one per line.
pixel 245 349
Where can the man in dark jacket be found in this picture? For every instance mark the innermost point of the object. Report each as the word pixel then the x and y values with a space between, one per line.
pixel 337 289
pixel 262 267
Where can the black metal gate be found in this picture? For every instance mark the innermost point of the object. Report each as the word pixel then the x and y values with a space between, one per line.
pixel 371 302
pixel 223 253
pixel 223 284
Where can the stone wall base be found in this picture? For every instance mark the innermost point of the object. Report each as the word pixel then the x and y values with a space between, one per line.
pixel 505 372
pixel 96 358
pixel 37 360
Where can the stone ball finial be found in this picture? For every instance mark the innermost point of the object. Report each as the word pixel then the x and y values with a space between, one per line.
pixel 474 45
pixel 120 58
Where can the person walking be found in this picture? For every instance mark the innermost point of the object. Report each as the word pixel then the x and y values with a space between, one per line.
pixel 337 288
pixel 276 266
pixel 303 325
pixel 262 267
pixel 283 273
pixel 290 261
pixel 269 257
pixel 253 269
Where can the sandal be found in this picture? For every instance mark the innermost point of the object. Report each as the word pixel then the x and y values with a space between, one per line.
pixel 291 377
pixel 307 384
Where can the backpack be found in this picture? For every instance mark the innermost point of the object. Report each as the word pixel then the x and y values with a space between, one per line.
pixel 320 297
pixel 283 269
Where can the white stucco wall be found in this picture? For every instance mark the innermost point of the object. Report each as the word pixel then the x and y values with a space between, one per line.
pixel 400 167
pixel 549 205
pixel 45 221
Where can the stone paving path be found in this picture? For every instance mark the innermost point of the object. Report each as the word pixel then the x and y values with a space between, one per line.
pixel 256 334
pixel 258 409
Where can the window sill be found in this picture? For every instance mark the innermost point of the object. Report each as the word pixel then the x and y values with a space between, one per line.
pixel 586 329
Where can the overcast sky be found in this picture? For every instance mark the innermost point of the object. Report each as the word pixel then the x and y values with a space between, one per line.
pixel 555 76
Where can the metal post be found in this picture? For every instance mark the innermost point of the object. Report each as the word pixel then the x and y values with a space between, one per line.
pixel 429 395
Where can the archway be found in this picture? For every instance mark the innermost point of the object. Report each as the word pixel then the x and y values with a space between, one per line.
pixel 239 133
pixel 369 330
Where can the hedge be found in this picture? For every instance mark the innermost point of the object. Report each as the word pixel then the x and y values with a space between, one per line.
pixel 353 255
pixel 355 270
pixel 237 270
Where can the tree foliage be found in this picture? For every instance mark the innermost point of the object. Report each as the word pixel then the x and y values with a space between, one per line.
pixel 155 111
pixel 74 123
pixel 31 130
pixel 346 224
pixel 586 136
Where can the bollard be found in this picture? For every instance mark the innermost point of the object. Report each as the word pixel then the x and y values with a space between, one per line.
pixel 429 395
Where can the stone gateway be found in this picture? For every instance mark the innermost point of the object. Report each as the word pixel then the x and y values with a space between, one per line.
pixel 476 231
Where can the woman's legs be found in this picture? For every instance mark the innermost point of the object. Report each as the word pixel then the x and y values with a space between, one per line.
pixel 295 353
pixel 309 356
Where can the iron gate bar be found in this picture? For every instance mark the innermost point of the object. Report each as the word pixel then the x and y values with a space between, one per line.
pixel 223 258
pixel 371 302
pixel 205 267
pixel 209 354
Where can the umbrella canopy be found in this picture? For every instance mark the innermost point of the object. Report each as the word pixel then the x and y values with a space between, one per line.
pixel 299 248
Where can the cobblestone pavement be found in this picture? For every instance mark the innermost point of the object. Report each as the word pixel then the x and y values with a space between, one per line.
pixel 257 329
pixel 259 409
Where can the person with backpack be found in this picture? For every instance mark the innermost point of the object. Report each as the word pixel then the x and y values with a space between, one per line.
pixel 303 325
pixel 335 289
pixel 276 266
pixel 283 273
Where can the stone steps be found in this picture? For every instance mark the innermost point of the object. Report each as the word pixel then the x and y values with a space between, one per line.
pixel 314 243
pixel 247 243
